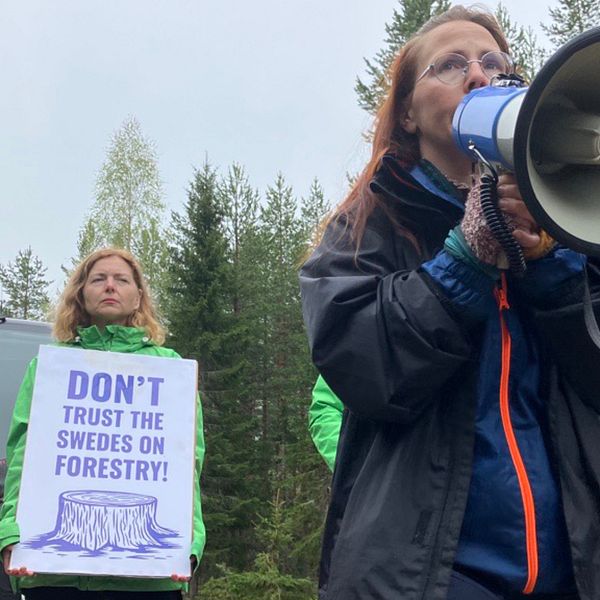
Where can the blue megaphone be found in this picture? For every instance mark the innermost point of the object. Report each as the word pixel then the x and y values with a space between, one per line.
pixel 485 120
pixel 548 135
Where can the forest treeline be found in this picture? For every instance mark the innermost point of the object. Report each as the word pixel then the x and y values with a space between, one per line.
pixel 223 271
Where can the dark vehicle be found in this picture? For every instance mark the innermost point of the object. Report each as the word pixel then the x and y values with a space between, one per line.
pixel 19 343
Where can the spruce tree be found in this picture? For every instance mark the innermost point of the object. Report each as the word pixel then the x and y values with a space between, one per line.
pixel 282 235
pixel 314 208
pixel 204 326
pixel 290 379
pixel 199 271
pixel 304 488
pixel 290 502
pixel 25 286
pixel 240 202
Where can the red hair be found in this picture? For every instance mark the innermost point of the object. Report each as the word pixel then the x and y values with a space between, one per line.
pixel 389 137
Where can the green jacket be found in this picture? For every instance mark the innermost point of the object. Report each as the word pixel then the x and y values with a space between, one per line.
pixel 114 338
pixel 325 420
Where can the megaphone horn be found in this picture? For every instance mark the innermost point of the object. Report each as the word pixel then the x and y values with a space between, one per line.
pixel 548 134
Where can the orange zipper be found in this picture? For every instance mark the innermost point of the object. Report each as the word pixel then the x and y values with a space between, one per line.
pixel 525 487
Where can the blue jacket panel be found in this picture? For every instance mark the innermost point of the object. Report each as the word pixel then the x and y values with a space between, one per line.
pixel 493 536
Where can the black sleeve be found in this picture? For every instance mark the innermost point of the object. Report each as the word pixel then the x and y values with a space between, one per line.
pixel 569 342
pixel 379 334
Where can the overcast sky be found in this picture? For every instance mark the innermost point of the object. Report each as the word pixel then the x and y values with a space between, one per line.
pixel 266 83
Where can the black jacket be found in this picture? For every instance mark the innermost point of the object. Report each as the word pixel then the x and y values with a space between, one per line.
pixel 404 362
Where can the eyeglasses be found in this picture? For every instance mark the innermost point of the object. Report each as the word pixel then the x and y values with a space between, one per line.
pixel 452 68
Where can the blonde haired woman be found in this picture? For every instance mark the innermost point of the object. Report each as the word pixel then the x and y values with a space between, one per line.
pixel 106 305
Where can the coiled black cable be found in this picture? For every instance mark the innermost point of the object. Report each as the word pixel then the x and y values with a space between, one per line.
pixel 498 226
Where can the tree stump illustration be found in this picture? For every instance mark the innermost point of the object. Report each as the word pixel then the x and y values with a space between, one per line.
pixel 93 520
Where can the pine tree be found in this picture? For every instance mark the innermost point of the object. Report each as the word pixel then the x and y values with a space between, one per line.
pixel 571 18
pixel 529 56
pixel 25 286
pixel 313 210
pixel 405 22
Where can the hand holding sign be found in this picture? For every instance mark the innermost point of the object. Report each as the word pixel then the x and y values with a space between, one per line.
pixel 14 571
pixel 110 437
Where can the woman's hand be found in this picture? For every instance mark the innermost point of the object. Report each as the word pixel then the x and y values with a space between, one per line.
pixel 15 572
pixel 526 231
pixel 183 578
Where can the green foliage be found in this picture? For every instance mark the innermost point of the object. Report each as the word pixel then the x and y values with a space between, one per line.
pixel 529 56
pixel 571 18
pixel 265 582
pixel 234 305
pixel 314 209
pixel 206 326
pixel 128 208
pixel 199 270
pixel 268 579
pixel 87 241
pixel 128 188
pixel 240 204
pixel 405 22
pixel 25 286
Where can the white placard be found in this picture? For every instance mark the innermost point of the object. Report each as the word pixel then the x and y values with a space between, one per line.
pixel 108 474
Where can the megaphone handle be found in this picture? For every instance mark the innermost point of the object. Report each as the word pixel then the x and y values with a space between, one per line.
pixel 488 193
pixel 588 313
pixel 498 226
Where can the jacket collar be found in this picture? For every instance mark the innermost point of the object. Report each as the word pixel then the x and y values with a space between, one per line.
pixel 421 189
pixel 117 338
pixel 433 180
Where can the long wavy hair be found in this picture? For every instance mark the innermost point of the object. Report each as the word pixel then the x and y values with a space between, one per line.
pixel 71 313
pixel 389 137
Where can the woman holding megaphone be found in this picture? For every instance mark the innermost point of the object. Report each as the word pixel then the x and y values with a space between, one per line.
pixel 468 461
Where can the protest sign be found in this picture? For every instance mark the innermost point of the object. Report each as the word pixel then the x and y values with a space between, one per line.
pixel 108 475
